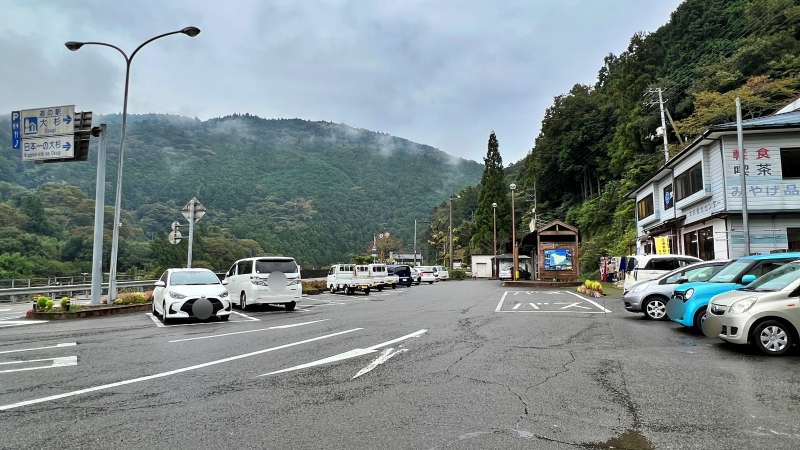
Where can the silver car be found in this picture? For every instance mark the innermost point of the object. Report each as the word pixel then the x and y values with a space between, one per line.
pixel 765 313
pixel 650 297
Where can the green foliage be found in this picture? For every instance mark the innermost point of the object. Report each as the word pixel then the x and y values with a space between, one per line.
pixel 493 189
pixel 41 302
pixel 457 274
pixel 132 298
pixel 64 301
pixel 48 305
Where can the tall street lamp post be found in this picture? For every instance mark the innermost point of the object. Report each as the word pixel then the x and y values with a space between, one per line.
pixel 74 46
pixel 451 229
pixel 513 234
pixel 494 222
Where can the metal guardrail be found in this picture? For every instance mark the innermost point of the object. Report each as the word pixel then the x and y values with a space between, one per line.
pixel 12 294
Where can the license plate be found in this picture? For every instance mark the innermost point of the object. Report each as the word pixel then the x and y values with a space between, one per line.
pixel 364 287
pixel 403 279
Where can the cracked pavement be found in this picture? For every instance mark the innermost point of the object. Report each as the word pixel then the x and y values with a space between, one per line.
pixel 482 376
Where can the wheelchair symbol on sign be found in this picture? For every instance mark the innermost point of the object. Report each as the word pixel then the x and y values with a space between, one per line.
pixel 31 125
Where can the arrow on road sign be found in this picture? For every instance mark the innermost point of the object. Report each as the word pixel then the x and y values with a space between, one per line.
pixel 66 146
pixel 68 119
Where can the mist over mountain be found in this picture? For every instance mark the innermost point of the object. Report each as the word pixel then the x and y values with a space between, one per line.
pixel 314 190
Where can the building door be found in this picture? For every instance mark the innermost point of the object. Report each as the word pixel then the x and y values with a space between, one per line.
pixel 481 270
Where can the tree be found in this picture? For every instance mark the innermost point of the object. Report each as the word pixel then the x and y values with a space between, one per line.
pixel 493 189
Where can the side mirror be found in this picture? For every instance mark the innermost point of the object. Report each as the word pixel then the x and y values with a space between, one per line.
pixel 160 283
pixel 749 278
pixel 681 280
pixel 225 282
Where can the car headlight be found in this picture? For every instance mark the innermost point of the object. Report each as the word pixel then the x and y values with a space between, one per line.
pixel 176 295
pixel 223 294
pixel 688 294
pixel 742 305
pixel 640 287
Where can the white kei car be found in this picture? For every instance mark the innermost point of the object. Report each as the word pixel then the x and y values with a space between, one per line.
pixel 190 293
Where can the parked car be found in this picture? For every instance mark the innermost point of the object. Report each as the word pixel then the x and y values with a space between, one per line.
pixel 426 274
pixel 505 269
pixel 647 267
pixel 415 276
pixel 187 293
pixel 381 277
pixel 442 272
pixel 349 278
pixel 765 313
pixel 265 280
pixel 402 273
pixel 690 300
pixel 650 297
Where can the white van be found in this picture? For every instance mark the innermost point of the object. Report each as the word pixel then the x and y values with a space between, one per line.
pixel 265 280
pixel 648 267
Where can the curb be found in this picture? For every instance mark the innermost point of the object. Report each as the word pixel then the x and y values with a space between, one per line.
pixel 93 312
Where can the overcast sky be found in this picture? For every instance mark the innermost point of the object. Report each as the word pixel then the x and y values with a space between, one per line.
pixel 442 73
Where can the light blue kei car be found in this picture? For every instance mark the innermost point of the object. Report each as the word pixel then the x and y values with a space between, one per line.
pixel 690 301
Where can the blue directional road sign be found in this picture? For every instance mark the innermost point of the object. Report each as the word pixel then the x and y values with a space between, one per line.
pixel 16 139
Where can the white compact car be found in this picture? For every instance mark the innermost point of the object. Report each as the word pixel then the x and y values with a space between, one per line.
pixel 442 272
pixel 190 293
pixel 765 313
pixel 426 274
pixel 265 280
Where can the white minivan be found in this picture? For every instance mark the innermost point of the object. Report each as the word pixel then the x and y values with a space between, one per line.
pixel 265 280
pixel 648 267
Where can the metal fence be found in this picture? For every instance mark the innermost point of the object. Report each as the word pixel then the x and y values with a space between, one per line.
pixel 56 291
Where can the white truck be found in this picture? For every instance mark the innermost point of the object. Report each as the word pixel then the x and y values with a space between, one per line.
pixel 349 278
pixel 381 277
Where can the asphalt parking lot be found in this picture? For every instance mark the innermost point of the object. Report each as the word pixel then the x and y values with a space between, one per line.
pixel 458 364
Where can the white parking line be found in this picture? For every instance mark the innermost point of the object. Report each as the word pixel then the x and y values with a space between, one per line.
pixel 534 306
pixel 165 374
pixel 64 344
pixel 160 324
pixel 15 323
pixel 250 331
pixel 57 362
pixel 348 354
pixel 590 301
pixel 384 356
pixel 245 316
pixel 502 299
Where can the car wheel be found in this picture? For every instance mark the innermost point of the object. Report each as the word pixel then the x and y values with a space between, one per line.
pixel 366 291
pixel 224 318
pixel 380 288
pixel 430 282
pixel 243 301
pixel 699 318
pixel 772 338
pixel 333 289
pixel 394 286
pixel 155 313
pixel 164 319
pixel 290 306
pixel 348 291
pixel 655 309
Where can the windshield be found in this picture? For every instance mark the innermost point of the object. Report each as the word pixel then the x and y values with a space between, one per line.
pixel 282 265
pixel 702 273
pixel 193 278
pixel 729 272
pixel 777 279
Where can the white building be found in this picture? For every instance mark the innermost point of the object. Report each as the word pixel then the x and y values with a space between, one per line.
pixel 481 266
pixel 695 199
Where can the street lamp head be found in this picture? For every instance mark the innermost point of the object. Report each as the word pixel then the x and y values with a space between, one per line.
pixel 191 31
pixel 73 45
pixel 513 186
pixel 494 205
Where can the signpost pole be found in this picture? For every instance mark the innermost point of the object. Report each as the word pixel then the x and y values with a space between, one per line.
pixel 191 232
pixel 99 208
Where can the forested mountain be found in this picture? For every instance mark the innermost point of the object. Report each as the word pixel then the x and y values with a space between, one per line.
pixel 317 191
pixel 598 141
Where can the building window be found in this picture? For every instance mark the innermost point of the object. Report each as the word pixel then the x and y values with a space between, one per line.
pixel 790 162
pixel 689 182
pixel 669 198
pixel 645 207
pixel 793 236
pixel 700 243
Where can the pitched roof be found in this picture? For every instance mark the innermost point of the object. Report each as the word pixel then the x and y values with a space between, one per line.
pixel 775 121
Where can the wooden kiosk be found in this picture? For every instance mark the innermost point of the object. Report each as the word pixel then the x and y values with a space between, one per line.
pixel 557 252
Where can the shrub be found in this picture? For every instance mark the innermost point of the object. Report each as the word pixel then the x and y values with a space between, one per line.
pixel 41 302
pixel 64 301
pixel 458 274
pixel 321 284
pixel 48 305
pixel 309 285
pixel 131 298
pixel 148 296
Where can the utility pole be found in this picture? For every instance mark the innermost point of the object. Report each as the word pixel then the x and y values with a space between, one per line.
pixel 742 174
pixel 660 91
pixel 415 241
